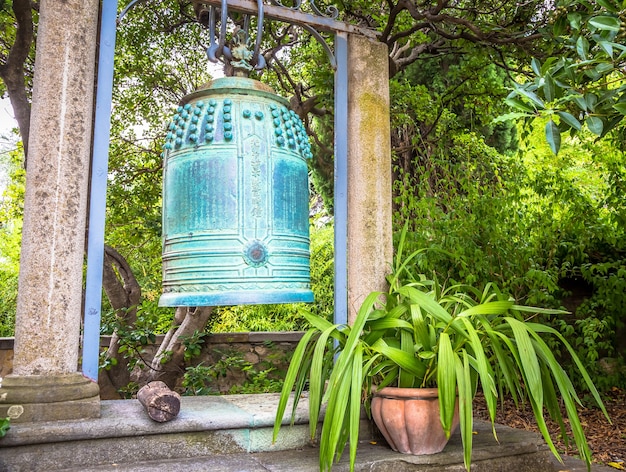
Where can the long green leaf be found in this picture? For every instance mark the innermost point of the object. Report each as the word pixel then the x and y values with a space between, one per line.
pixel 387 323
pixel 534 309
pixel 504 364
pixel 419 328
pixel 539 328
pixel 316 321
pixel 520 105
pixel 532 97
pixel 427 303
pixel 485 372
pixel 553 136
pixel 316 378
pixel 355 399
pixel 567 396
pixel 403 359
pixel 529 364
pixel 334 428
pixel 446 382
pixel 551 402
pixel 621 108
pixel 543 428
pixel 290 379
pixel 549 87
pixel 334 422
pixel 489 308
pixel 536 66
pixel 582 47
pixel 405 378
pixel 607 47
pixel 466 417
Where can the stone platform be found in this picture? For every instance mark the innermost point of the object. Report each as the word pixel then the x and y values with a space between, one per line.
pixel 233 434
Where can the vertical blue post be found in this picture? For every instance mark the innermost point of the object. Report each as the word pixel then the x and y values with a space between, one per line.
pixel 341 179
pixel 97 201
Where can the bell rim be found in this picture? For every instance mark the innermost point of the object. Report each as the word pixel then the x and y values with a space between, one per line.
pixel 236 297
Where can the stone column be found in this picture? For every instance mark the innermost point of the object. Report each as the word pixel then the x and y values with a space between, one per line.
pixel 370 244
pixel 45 384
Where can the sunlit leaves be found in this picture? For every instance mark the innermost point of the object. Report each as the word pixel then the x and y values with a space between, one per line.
pixel 11 210
pixel 585 83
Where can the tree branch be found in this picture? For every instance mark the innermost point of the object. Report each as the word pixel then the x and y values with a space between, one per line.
pixel 12 69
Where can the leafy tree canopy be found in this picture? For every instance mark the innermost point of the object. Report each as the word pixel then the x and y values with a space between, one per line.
pixel 582 84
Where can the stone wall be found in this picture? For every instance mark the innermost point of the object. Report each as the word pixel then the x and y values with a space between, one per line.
pixel 6 356
pixel 224 353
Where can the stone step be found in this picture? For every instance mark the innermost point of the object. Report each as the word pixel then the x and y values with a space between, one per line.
pixel 233 433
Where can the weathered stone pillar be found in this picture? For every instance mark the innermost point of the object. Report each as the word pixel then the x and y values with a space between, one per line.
pixel 370 245
pixel 45 384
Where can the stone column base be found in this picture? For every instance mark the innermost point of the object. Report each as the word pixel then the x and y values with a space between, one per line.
pixel 30 398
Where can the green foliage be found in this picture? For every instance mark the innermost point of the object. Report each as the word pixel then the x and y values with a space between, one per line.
pixel 262 381
pixel 5 425
pixel 264 378
pixel 532 223
pixel 282 317
pixel 11 209
pixel 193 344
pixel 582 85
pixel 129 391
pixel 197 379
pixel 599 323
pixel 132 345
pixel 422 333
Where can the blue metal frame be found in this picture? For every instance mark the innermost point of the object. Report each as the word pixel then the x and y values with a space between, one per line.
pixel 341 179
pixel 97 200
pixel 100 158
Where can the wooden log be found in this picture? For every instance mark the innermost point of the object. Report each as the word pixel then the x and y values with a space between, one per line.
pixel 161 403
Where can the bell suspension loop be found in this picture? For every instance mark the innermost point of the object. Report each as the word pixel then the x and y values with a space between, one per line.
pixel 240 58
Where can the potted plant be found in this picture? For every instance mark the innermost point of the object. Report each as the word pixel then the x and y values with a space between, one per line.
pixel 420 334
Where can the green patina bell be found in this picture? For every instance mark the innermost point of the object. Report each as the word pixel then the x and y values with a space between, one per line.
pixel 235 199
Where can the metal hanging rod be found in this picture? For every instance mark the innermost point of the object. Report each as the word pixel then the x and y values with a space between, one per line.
pixel 294 15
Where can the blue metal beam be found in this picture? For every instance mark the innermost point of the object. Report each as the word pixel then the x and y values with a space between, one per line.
pixel 295 16
pixel 341 178
pixel 97 201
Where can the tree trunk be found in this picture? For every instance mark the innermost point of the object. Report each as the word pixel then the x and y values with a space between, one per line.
pixel 12 70
pixel 186 321
pixel 124 293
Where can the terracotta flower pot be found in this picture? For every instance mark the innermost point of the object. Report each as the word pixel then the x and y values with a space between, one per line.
pixel 409 419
